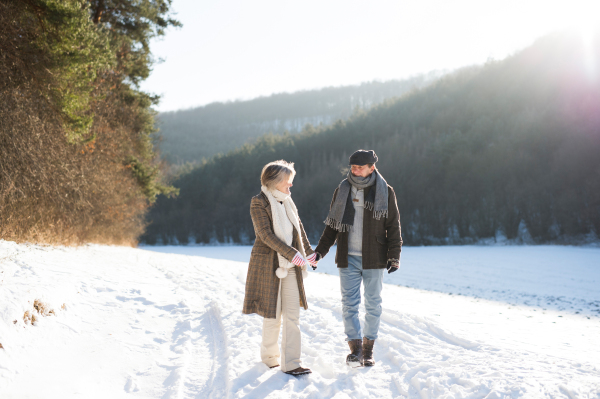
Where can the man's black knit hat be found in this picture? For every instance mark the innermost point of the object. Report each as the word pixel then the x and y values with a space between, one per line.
pixel 363 157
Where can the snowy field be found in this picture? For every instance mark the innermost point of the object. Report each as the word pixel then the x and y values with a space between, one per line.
pixel 458 322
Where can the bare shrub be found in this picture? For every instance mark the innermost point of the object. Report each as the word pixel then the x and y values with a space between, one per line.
pixel 27 317
pixel 43 308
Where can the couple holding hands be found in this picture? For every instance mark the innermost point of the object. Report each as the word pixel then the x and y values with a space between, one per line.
pixel 364 221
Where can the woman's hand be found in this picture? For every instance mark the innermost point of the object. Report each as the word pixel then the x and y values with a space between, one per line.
pixel 298 260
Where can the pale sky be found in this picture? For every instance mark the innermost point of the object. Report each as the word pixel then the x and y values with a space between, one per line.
pixel 242 49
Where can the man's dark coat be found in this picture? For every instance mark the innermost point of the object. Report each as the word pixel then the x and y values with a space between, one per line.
pixel 381 238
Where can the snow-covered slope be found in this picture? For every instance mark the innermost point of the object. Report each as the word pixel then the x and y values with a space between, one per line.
pixel 147 324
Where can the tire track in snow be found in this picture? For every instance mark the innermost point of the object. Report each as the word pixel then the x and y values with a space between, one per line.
pixel 182 346
pixel 182 340
pixel 199 340
pixel 217 385
pixel 212 341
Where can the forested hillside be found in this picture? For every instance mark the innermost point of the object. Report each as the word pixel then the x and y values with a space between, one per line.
pixel 504 148
pixel 76 154
pixel 193 134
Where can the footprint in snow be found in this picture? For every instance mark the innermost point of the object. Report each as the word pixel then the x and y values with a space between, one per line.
pixel 131 385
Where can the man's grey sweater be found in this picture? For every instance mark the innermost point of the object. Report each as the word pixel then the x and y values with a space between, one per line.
pixel 356 233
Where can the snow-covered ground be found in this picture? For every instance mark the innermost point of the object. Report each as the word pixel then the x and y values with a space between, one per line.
pixel 519 322
pixel 551 277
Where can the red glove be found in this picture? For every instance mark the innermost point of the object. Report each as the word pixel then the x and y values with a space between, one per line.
pixel 298 260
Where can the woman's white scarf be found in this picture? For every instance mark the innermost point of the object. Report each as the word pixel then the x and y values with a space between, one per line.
pixel 279 219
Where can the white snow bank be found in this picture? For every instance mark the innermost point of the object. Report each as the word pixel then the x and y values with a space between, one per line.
pixel 147 324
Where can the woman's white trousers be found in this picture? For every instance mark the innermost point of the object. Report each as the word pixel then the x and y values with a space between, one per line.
pixel 288 310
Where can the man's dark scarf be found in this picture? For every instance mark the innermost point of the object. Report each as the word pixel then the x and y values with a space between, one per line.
pixel 341 214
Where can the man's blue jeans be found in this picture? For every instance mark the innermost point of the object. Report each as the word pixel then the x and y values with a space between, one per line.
pixel 350 279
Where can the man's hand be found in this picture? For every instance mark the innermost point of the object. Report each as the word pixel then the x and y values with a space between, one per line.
pixel 392 265
pixel 314 259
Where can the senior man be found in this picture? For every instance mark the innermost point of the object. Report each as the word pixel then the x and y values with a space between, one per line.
pixel 364 220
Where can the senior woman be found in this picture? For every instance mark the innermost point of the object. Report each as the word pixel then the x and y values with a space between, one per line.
pixel 277 268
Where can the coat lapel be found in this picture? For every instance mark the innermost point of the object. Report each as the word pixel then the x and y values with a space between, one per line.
pixel 268 207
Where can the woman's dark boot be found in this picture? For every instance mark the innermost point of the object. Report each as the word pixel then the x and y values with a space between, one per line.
pixel 298 371
pixel 367 355
pixel 354 359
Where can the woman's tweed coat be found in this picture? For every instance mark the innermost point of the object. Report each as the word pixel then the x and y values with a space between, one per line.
pixel 262 285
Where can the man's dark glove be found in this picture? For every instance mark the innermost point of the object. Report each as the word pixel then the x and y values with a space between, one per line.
pixel 317 258
pixel 392 265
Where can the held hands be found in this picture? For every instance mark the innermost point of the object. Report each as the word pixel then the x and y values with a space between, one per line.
pixel 299 260
pixel 314 259
pixel 392 265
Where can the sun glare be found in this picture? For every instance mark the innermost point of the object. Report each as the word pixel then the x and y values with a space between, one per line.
pixel 588 25
pixel 589 33
pixel 584 17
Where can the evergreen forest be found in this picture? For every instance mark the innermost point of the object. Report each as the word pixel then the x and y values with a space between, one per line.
pixel 77 162
pixel 192 134
pixel 506 149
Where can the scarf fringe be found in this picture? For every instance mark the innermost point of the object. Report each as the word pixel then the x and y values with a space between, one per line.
pixel 378 214
pixel 339 226
pixel 338 209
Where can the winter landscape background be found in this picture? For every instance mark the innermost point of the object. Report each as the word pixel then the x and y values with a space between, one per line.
pixel 124 221
pixel 504 150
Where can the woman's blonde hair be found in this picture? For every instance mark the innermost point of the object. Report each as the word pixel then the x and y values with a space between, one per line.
pixel 274 172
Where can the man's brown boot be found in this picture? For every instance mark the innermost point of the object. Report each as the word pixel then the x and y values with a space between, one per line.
pixel 355 356
pixel 367 355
